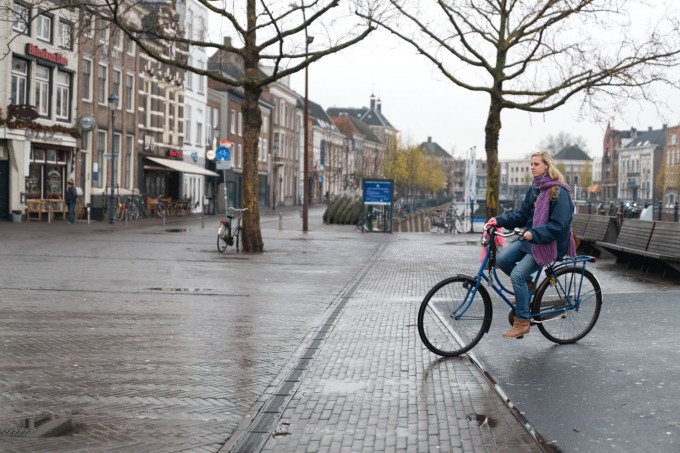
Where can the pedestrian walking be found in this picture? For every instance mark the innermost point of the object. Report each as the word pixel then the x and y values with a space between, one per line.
pixel 546 213
pixel 71 199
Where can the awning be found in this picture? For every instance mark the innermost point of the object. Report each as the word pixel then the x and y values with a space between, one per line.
pixel 184 167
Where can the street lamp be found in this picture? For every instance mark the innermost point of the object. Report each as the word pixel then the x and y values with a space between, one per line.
pixel 305 204
pixel 113 104
pixel 275 149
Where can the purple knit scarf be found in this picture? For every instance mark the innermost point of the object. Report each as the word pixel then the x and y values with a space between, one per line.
pixel 547 253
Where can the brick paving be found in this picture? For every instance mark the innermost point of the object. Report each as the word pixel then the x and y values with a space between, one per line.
pixel 152 341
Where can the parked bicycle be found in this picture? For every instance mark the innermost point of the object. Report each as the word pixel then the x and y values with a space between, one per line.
pixel 366 219
pixel 229 235
pixel 457 312
pixel 440 222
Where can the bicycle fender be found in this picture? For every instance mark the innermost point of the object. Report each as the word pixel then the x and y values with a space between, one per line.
pixel 465 276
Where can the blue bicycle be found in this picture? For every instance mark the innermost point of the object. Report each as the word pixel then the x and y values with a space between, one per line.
pixel 457 312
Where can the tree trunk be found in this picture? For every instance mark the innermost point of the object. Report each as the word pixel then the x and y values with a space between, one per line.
pixel 492 132
pixel 252 123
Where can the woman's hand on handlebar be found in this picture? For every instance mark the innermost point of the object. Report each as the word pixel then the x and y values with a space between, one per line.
pixel 490 223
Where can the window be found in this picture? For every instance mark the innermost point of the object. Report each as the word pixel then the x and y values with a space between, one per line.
pixel 240 124
pixel 19 81
pixel 199 133
pixel 44 25
pixel 129 92
pixel 116 152
pixel 674 139
pixel 87 80
pixel 102 31
pixel 190 24
pixel 63 95
pixel 116 85
pixel 201 29
pixel 130 46
pixel 187 125
pixel 22 18
pixel 201 83
pixel 232 126
pixel 189 77
pixel 65 36
pixel 101 85
pixel 87 28
pixel 42 90
pixel 129 147
pixel 118 40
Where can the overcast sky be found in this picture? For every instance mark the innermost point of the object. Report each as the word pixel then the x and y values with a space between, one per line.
pixel 420 103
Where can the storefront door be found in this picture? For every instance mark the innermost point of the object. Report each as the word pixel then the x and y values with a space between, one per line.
pixel 4 189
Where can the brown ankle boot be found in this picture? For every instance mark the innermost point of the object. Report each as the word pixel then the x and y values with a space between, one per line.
pixel 519 328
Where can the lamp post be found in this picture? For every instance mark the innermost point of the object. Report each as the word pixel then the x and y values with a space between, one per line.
pixel 305 168
pixel 113 104
pixel 275 150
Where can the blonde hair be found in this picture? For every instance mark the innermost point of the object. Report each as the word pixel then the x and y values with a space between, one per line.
pixel 552 171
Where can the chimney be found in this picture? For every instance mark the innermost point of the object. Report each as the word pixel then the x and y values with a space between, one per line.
pixel 227 41
pixel 429 139
pixel 379 105
pixel 633 132
pixel 649 129
pixel 372 102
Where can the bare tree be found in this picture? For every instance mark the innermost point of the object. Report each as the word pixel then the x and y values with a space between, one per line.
pixel 269 41
pixel 535 56
pixel 555 143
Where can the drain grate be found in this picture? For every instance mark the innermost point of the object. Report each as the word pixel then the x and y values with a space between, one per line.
pixel 40 427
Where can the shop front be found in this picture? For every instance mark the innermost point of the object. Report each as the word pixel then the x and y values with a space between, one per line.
pixel 35 169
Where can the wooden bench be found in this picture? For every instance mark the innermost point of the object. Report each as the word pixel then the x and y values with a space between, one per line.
pixel 35 208
pixel 578 224
pixel 665 243
pixel 646 243
pixel 591 229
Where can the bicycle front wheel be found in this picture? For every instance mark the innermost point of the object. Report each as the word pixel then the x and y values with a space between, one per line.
pixel 462 224
pixel 221 239
pixel 576 290
pixel 454 316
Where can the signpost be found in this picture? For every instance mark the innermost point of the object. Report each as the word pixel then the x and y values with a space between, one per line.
pixel 223 156
pixel 379 192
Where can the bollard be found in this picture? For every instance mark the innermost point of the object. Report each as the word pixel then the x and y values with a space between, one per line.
pixel 126 219
pixel 163 218
pixel 590 208
pixel 280 221
pixel 660 211
pixel 88 214
pixel 675 212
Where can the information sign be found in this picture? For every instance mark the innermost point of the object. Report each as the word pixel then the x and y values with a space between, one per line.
pixel 222 153
pixel 378 192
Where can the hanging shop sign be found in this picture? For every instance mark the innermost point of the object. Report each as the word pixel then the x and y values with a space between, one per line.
pixel 87 123
pixel 22 112
pixel 175 153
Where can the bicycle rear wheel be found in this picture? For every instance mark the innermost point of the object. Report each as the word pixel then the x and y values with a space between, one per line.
pixel 462 224
pixel 221 241
pixel 454 316
pixel 576 290
pixel 237 238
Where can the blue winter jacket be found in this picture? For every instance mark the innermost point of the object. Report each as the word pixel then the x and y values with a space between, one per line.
pixel 558 227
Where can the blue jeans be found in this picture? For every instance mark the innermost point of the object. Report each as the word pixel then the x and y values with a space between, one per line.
pixel 71 215
pixel 519 265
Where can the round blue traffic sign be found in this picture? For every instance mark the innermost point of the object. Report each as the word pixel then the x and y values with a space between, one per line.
pixel 222 153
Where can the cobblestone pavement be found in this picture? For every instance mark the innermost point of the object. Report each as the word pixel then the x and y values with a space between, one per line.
pixel 152 341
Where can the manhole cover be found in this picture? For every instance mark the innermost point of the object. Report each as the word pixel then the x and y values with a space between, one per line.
pixel 40 427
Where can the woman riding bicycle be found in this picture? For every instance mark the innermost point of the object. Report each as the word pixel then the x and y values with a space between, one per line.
pixel 546 213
